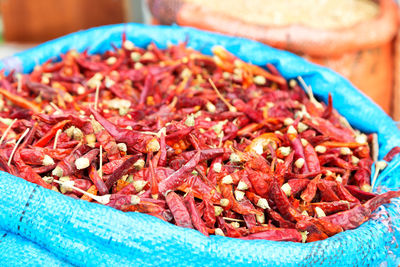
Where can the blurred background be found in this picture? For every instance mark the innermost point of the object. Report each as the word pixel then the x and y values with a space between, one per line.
pixel 357 38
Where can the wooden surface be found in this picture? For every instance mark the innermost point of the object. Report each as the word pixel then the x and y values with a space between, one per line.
pixel 42 20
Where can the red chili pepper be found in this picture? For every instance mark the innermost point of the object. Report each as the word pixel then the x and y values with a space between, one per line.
pixel 27 173
pixel 20 101
pixel 344 194
pixel 66 145
pixel 48 136
pixel 286 166
pixel 135 140
pixel 174 137
pixel 57 154
pixel 111 166
pixel 311 158
pixel 312 231
pixel 205 154
pixel 153 181
pixel 201 190
pixel 258 163
pixel 246 109
pixel 346 177
pixel 334 206
pixel 57 118
pixel 327 227
pixel 209 214
pixel 356 216
pixel 299 152
pixel 82 184
pixel 211 175
pixel 249 219
pixel 32 157
pixel 228 228
pixel 328 129
pixel 282 202
pixel 311 189
pixel 67 166
pixel 97 181
pixel 360 194
pixel 362 177
pixel 329 108
pixel 261 228
pixel 146 207
pixel 259 181
pixel 163 151
pixel 283 223
pixel 178 177
pixel 331 158
pixel 43 169
pixel 341 144
pixel 122 202
pixel 120 171
pixel 109 144
pixel 297 185
pixel 198 223
pixel 392 153
pixel 46 92
pixel 178 209
pixel 327 194
pixel 91 155
pixel 276 235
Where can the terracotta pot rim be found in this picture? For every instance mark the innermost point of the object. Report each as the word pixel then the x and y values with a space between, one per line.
pixel 299 38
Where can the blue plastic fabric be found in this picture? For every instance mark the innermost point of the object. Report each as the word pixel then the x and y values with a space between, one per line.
pixel 44 227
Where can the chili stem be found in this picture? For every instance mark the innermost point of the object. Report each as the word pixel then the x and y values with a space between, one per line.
pixel 16 145
pixel 6 131
pixel 232 219
pixel 230 107
pixel 101 199
pixel 101 162
pixel 56 138
pixel 19 86
pixel 55 106
pixel 96 96
pixel 309 92
pixel 375 147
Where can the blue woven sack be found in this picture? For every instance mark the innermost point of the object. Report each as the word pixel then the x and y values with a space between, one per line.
pixel 42 227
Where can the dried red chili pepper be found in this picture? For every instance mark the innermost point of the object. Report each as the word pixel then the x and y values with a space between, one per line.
pixel 392 153
pixel 211 143
pixel 178 177
pixel 309 193
pixel 334 206
pixel 356 216
pixel 20 101
pixel 120 171
pixel 135 140
pixel 198 223
pixel 178 209
pixel 48 136
pixel 278 234
pixel 295 186
pixel 97 180
pixel 359 194
pixel 312 231
pixel 282 202
pixel 327 194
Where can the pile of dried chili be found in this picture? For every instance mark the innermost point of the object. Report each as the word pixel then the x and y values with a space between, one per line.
pixel 205 142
